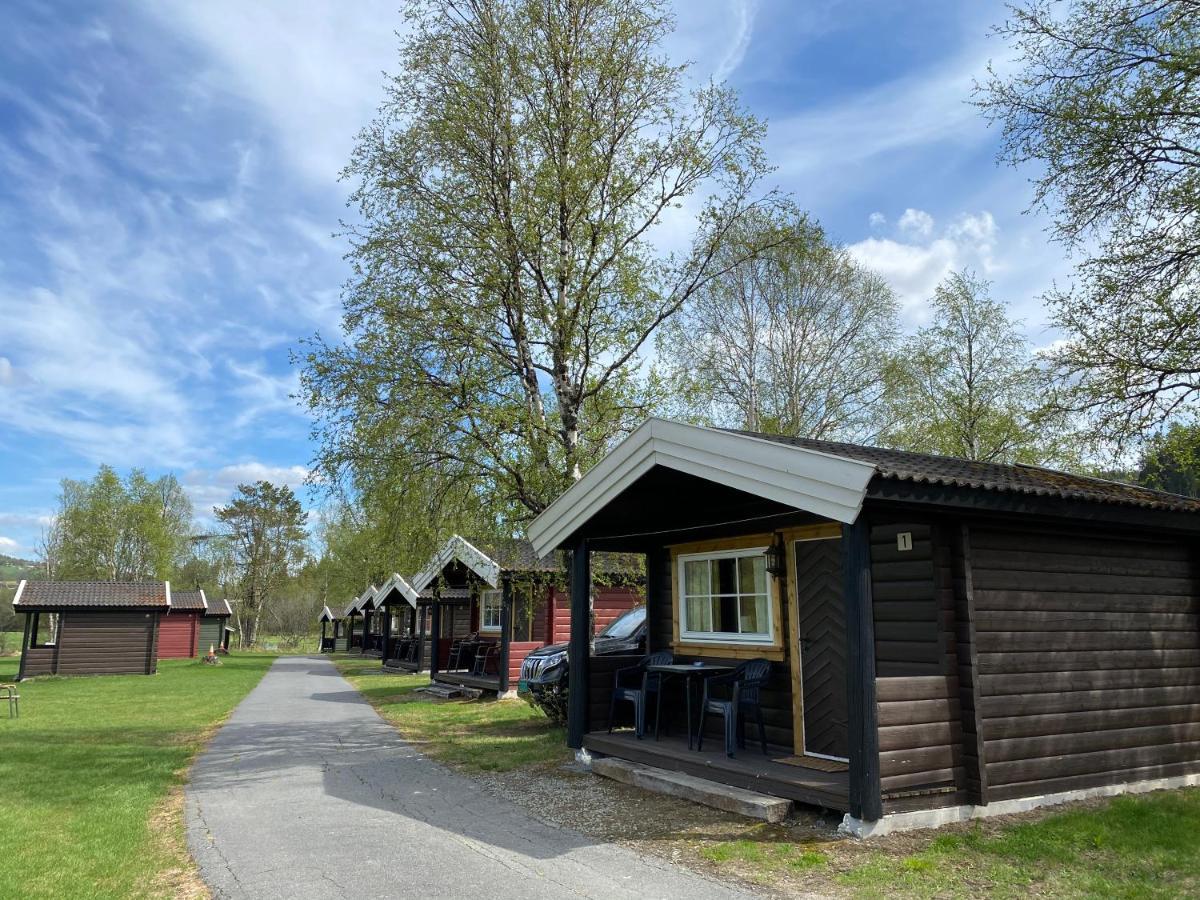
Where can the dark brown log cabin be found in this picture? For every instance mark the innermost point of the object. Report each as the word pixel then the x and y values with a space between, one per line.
pixel 965 638
pixel 509 602
pixel 90 627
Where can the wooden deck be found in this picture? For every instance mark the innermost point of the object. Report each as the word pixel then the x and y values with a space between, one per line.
pixel 749 769
pixel 402 665
pixel 465 679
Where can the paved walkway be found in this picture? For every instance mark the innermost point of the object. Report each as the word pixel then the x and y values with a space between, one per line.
pixel 307 792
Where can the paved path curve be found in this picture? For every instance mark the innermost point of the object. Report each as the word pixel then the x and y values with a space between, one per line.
pixel 307 792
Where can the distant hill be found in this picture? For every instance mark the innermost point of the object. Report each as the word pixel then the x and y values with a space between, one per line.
pixel 14 569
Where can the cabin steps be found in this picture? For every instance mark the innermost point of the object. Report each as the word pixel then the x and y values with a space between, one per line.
pixel 688 787
pixel 448 691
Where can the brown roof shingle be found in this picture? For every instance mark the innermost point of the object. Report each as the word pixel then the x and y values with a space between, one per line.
pixel 218 608
pixel 91 594
pixel 190 601
pixel 925 468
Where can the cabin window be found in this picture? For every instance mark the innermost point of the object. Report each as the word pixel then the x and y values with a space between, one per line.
pixel 489 610
pixel 45 630
pixel 725 597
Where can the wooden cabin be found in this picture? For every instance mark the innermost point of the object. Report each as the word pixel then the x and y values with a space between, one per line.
pixel 948 639
pixel 179 626
pixel 330 626
pixel 491 607
pixel 214 628
pixel 90 627
pixel 402 646
pixel 373 615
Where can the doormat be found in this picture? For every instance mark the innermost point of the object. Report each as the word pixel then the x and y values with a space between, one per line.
pixel 813 762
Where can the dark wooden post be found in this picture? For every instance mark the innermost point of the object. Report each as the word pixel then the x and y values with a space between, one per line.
pixel 581 644
pixel 655 605
pixel 24 646
pixel 866 800
pixel 321 649
pixel 386 637
pixel 435 639
pixel 506 599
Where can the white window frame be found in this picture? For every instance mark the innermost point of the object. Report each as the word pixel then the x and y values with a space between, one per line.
pixel 484 597
pixel 766 639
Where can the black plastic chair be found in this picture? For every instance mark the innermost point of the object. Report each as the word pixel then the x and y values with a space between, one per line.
pixel 648 683
pixel 744 684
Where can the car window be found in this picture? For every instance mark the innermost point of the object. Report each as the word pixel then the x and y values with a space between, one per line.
pixel 624 627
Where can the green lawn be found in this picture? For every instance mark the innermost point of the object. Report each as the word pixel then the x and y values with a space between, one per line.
pixel 1136 846
pixel 87 772
pixel 479 735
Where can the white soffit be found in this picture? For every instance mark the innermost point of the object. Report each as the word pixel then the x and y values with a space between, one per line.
pixel 462 550
pixel 402 587
pixel 807 480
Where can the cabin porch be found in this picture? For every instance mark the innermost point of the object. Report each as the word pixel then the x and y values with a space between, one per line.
pixel 798 779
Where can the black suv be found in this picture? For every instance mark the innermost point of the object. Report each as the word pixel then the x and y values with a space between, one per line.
pixel 544 671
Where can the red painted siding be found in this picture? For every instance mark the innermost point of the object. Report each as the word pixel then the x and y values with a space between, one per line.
pixel 177 635
pixel 607 605
pixel 517 651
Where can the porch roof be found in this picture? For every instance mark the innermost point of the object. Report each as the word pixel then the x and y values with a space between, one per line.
pixel 327 615
pixel 797 478
pixel 393 587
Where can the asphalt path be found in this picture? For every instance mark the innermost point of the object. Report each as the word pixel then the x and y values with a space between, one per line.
pixel 307 793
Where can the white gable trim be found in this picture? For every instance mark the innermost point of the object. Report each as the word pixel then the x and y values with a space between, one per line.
pixel 326 615
pixel 808 480
pixel 368 594
pixel 397 583
pixel 20 590
pixel 167 585
pixel 470 556
pixel 204 600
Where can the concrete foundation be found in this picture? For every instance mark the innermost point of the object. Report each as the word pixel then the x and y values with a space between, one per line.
pixel 948 815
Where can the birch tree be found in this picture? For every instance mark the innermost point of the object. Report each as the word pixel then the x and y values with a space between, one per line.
pixel 529 162
pixel 793 340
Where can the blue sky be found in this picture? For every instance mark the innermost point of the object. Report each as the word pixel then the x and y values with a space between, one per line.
pixel 169 194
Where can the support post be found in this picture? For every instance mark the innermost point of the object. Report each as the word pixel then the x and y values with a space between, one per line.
pixel 435 639
pixel 581 644
pixel 866 796
pixel 386 636
pixel 506 598
pixel 24 646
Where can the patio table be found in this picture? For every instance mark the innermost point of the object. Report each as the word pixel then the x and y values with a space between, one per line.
pixel 687 671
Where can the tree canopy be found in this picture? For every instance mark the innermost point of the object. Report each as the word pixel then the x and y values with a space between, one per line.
pixel 1106 101
pixel 119 529
pixel 512 197
pixel 792 340
pixel 967 385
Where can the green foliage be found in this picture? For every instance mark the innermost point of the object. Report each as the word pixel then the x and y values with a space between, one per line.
pixel 265 537
pixel 1106 103
pixel 119 529
pixel 788 341
pixel 967 385
pixel 1171 461
pixel 88 764
pixel 504 282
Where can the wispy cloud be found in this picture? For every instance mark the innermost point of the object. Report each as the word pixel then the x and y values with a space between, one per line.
pixel 744 12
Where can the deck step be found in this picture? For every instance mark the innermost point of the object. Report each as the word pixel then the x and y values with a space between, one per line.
pixel 448 691
pixel 698 790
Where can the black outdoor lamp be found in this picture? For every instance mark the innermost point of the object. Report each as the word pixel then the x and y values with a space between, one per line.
pixel 776 556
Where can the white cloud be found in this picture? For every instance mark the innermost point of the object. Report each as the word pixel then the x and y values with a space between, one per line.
pixel 919 258
pixel 876 220
pixel 744 13
pixel 215 487
pixel 8 545
pixel 916 223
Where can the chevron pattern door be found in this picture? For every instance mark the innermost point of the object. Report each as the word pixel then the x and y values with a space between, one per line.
pixel 821 612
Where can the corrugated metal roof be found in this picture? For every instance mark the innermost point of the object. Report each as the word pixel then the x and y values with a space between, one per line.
pixel 924 468
pixel 91 594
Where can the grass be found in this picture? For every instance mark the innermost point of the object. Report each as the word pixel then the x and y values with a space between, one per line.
pixel 1145 847
pixel 90 777
pixel 475 735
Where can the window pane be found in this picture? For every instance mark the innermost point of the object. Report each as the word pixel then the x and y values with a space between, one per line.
pixel 752 574
pixel 754 614
pixel 695 575
pixel 699 614
pixel 725 575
